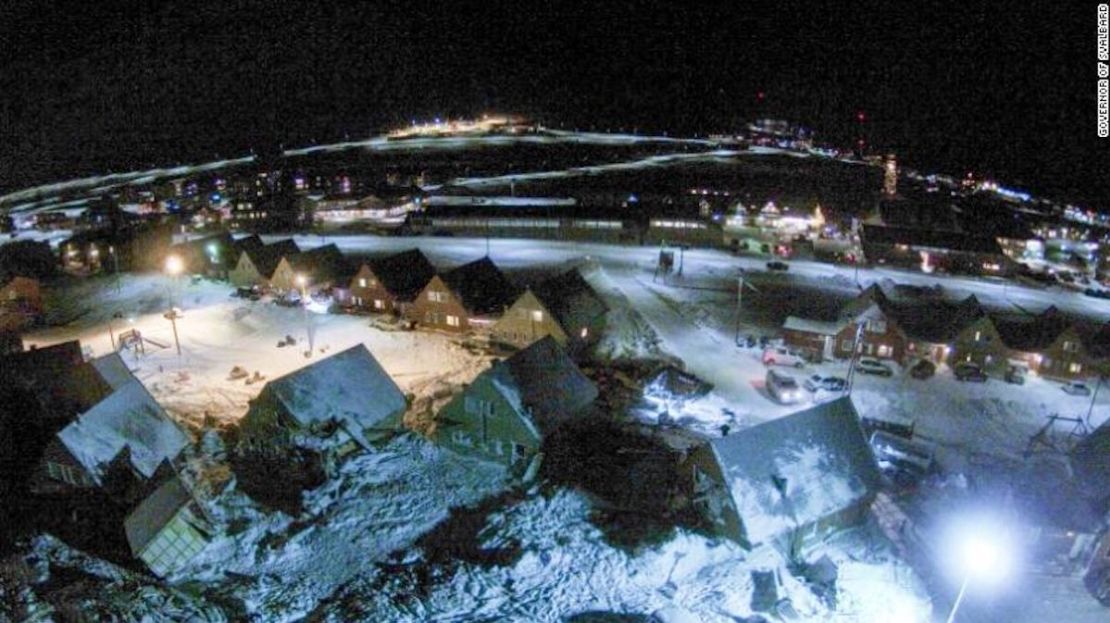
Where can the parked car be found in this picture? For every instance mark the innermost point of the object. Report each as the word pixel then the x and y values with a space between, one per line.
pixel 783 356
pixel 1015 375
pixel 783 387
pixel 967 371
pixel 923 369
pixel 827 383
pixel 777 265
pixel 1075 388
pixel 1097 293
pixel 874 366
pixel 905 461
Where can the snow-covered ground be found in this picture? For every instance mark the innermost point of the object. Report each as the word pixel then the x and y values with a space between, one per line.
pixel 218 332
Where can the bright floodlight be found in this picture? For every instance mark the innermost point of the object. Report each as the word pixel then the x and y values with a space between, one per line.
pixel 301 280
pixel 174 265
pixel 980 552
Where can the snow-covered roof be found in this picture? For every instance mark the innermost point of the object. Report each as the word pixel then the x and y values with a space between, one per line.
pixel 797 469
pixel 543 381
pixel 128 418
pixel 794 323
pixel 113 370
pixel 349 387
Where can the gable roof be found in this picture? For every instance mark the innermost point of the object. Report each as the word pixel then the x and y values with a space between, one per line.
pixel 796 469
pixel 481 287
pixel 1030 334
pixel 938 322
pixel 544 381
pixel 266 258
pixel 128 418
pixel 325 263
pixel 570 299
pixel 248 243
pixel 60 379
pixel 403 274
pixel 154 512
pixel 113 370
pixel 349 387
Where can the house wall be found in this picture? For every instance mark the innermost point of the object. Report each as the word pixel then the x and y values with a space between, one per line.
pixel 439 314
pixel 810 343
pixel 467 426
pixel 710 496
pixel 245 275
pixel 518 326
pixel 981 344
pixel 365 297
pixel 59 473
pixel 284 277
pixel 175 544
pixel 886 343
pixel 1065 359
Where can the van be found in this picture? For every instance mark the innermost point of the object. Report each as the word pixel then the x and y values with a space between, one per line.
pixel 783 387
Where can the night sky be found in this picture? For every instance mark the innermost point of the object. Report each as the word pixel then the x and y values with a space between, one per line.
pixel 995 88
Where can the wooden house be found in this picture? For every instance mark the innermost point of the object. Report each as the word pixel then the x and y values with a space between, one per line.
pixel 391 284
pixel 786 481
pixel 336 406
pixel 322 268
pixel 1047 344
pixel 20 303
pixel 864 317
pixel 564 307
pixel 472 296
pixel 505 414
pixel 167 528
pixel 256 264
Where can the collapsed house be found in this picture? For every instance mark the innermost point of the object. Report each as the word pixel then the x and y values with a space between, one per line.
pixel 168 527
pixel 510 408
pixel 788 481
pixel 334 406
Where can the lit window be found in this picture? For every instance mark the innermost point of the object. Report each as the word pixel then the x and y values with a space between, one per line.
pixel 1075 368
pixel 885 351
pixel 362 282
pixel 876 326
pixel 537 315
pixel 379 304
pixel 978 336
pixel 584 333
pixel 452 321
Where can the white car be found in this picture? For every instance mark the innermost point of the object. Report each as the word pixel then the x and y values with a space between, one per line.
pixel 783 387
pixel 782 356
pixel 874 366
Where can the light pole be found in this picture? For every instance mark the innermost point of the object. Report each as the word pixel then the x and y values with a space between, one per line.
pixel 302 281
pixel 173 268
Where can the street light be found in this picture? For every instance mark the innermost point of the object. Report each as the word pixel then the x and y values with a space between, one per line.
pixel 980 549
pixel 302 281
pixel 173 268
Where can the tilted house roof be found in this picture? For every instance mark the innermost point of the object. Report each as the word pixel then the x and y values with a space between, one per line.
pixel 1090 461
pixel 403 274
pixel 129 418
pixel 797 469
pixel 481 287
pixel 154 512
pixel 59 378
pixel 542 381
pixel 570 299
pixel 113 370
pixel 349 388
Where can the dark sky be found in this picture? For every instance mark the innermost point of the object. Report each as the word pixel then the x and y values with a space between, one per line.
pixel 1008 90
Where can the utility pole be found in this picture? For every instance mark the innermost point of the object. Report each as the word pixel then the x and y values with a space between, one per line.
pixel 1094 395
pixel 855 356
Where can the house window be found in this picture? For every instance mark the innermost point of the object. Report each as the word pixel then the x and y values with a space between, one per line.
pixel 362 282
pixel 65 473
pixel 978 336
pixel 1075 368
pixel 846 345
pixel 1070 346
pixel 537 315
pixel 885 351
pixel 470 404
pixel 518 452
pixel 876 326
pixel 452 321
pixel 379 304
pixel 584 333
pixel 437 297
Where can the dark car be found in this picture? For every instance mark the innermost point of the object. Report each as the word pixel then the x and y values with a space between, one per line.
pixel 1097 293
pixel 1015 375
pixel 826 383
pixel 777 265
pixel 923 369
pixel 969 372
